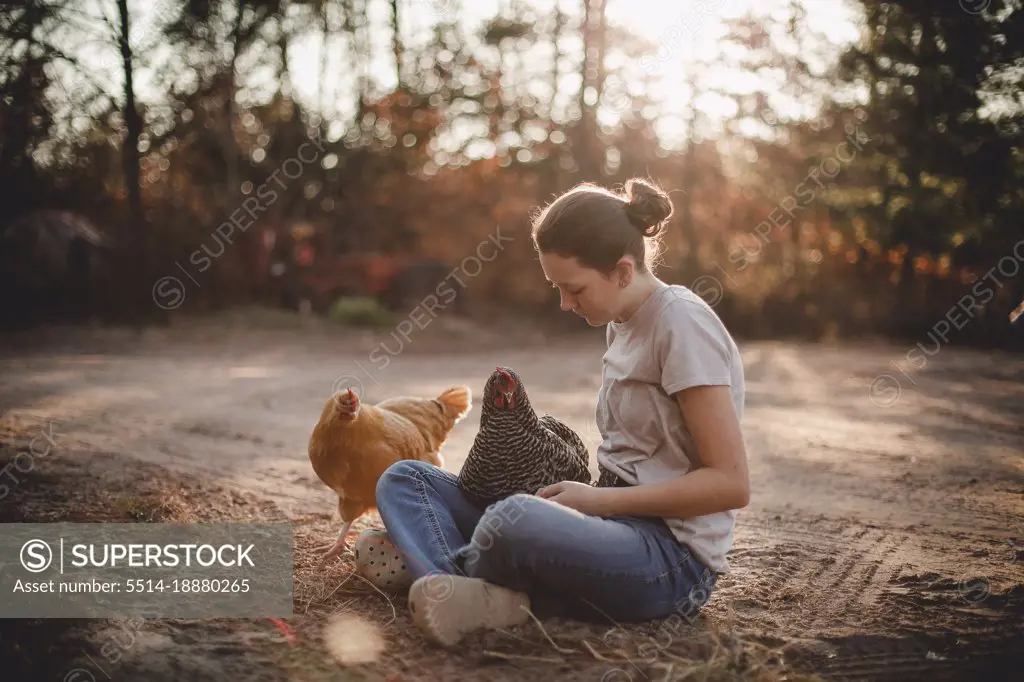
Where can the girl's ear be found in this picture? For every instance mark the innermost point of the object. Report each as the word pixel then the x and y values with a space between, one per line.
pixel 624 271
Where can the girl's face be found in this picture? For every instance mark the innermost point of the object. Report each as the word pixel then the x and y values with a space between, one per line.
pixel 587 292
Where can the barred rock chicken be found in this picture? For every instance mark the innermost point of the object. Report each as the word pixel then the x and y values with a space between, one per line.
pixel 353 443
pixel 516 451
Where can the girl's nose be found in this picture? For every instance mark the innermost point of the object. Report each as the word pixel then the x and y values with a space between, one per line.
pixel 564 300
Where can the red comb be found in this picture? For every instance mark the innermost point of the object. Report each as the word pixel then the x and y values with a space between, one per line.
pixel 508 377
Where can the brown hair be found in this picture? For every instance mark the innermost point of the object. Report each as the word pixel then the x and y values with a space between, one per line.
pixel 598 227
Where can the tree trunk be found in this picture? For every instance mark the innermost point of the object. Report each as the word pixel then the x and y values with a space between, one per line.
pixel 360 53
pixel 584 130
pixel 589 153
pixel 230 146
pixel 135 242
pixel 556 59
pixel 600 49
pixel 396 43
pixel 688 183
pixel 325 30
pixel 688 186
pixel 285 87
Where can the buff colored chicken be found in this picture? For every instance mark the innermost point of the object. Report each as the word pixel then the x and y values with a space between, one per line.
pixel 353 443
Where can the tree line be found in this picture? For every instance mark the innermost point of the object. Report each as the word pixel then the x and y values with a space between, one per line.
pixel 874 194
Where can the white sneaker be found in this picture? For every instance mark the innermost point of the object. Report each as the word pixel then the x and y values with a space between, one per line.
pixel 446 607
pixel 378 560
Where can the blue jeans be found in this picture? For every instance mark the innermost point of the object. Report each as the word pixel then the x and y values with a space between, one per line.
pixel 622 568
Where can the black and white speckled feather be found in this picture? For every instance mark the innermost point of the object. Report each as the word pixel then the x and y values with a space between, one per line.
pixel 516 451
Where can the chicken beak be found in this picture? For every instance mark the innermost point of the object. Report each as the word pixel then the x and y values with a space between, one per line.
pixel 510 388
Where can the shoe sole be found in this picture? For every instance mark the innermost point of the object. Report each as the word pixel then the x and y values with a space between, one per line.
pixel 378 560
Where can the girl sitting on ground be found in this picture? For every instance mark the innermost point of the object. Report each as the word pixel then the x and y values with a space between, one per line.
pixel 652 544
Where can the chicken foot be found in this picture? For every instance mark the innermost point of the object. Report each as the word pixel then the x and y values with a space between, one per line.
pixel 339 546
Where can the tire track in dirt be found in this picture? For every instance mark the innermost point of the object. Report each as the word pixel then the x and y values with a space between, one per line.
pixel 842 572
pixel 834 578
pixel 848 577
pixel 857 585
pixel 851 579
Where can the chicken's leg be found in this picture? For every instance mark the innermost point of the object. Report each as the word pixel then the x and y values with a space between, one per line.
pixel 349 510
pixel 339 546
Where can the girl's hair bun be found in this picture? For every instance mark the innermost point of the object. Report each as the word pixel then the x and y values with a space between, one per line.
pixel 647 206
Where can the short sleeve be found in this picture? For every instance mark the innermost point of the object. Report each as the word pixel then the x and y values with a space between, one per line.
pixel 694 348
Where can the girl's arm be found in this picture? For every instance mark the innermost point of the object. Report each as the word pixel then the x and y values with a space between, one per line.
pixel 720 484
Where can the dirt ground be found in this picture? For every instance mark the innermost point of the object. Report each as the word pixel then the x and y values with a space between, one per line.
pixel 884 539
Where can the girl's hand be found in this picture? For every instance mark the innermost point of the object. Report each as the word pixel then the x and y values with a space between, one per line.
pixel 579 496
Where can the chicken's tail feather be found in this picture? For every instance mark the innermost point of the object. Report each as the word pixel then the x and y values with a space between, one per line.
pixel 456 401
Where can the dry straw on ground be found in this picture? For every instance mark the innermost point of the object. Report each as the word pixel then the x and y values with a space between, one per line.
pixel 355 614
pixel 634 654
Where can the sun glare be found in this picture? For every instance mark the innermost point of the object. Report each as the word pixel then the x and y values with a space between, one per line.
pixel 655 19
pixel 684 36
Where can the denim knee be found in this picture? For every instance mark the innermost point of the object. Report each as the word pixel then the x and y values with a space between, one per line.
pixel 398 474
pixel 507 527
pixel 699 594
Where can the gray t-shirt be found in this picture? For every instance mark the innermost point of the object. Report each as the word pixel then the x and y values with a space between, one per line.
pixel 674 341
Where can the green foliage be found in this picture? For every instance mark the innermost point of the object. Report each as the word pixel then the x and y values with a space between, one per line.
pixel 947 172
pixel 360 311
